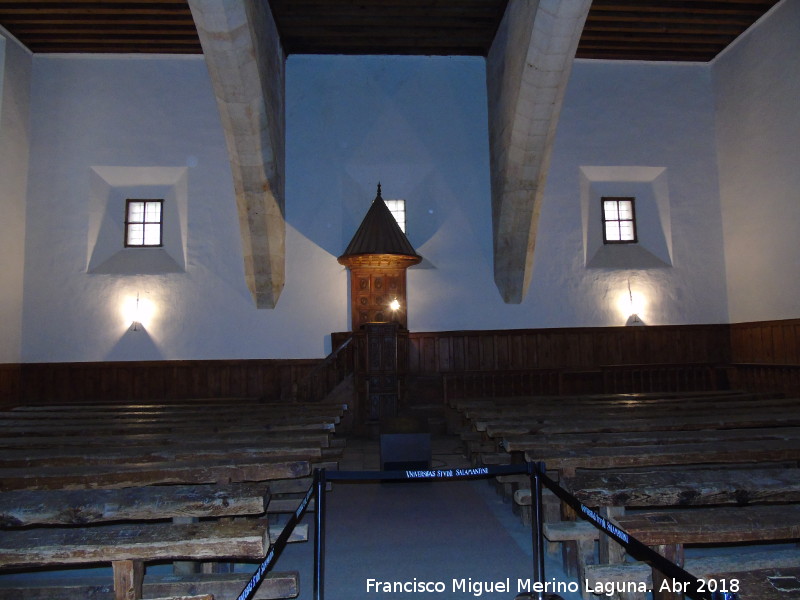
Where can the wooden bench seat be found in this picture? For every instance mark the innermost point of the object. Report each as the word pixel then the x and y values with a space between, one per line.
pixel 143 426
pixel 712 566
pixel 784 417
pixel 206 540
pixel 669 530
pixel 317 438
pixel 180 405
pixel 577 539
pixel 221 586
pixel 68 423
pixel 670 486
pixel 568 460
pixel 77 507
pixel 717 525
pixel 633 401
pixel 639 398
pixel 621 405
pixel 196 411
pixel 120 476
pixel 765 584
pixel 523 443
pixel 54 457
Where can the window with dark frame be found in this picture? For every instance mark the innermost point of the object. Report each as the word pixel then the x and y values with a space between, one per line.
pixel 143 223
pixel 619 220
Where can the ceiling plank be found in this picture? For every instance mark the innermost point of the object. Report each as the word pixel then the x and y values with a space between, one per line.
pixel 614 28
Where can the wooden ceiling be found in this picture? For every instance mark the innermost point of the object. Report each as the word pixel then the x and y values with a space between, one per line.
pixel 675 30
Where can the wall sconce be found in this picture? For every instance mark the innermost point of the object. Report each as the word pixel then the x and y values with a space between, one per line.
pixel 394 305
pixel 137 312
pixel 631 306
pixel 136 323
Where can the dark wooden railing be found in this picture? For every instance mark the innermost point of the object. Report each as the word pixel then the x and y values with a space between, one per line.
pixel 766 378
pixel 762 356
pixel 323 378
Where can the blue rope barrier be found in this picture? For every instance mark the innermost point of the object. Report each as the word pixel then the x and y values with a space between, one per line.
pixel 691 585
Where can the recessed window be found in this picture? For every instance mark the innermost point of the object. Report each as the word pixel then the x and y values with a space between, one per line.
pixel 143 223
pixel 398 210
pixel 619 221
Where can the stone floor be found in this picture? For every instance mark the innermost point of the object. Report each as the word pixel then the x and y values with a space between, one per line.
pixel 461 535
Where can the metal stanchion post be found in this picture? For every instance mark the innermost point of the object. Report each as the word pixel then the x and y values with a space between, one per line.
pixel 537 523
pixel 537 534
pixel 319 537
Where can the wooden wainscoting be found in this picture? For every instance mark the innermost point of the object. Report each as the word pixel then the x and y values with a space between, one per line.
pixel 765 356
pixel 762 356
pixel 567 348
pixel 162 380
pixel 766 342
pixel 10 389
pixel 572 360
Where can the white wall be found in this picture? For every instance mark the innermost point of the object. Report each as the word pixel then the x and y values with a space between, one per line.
pixel 419 126
pixel 158 114
pixel 15 69
pixel 644 129
pixel 757 89
pixel 416 124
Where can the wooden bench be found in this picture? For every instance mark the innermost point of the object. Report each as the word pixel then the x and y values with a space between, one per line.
pixel 207 540
pixel 54 457
pixel 127 547
pixel 133 475
pixel 220 586
pixel 764 584
pixel 669 530
pixel 613 491
pixel 532 443
pixel 24 442
pixel 211 459
pixel 786 417
pixel 616 406
pixel 577 539
pixel 79 507
pixel 668 486
pixel 706 567
pixel 568 461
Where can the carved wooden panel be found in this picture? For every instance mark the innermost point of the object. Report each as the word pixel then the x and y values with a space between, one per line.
pixel 382 371
pixel 371 292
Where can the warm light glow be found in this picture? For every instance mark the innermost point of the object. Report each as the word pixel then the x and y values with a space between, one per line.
pixel 394 304
pixel 137 312
pixel 632 303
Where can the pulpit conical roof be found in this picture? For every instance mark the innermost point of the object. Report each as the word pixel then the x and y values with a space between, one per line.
pixel 379 233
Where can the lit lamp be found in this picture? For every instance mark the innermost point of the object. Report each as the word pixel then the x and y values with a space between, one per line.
pixel 137 312
pixel 634 307
pixel 394 305
pixel 136 319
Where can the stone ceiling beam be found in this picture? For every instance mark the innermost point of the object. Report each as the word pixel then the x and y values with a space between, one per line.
pixel 246 62
pixel 527 70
